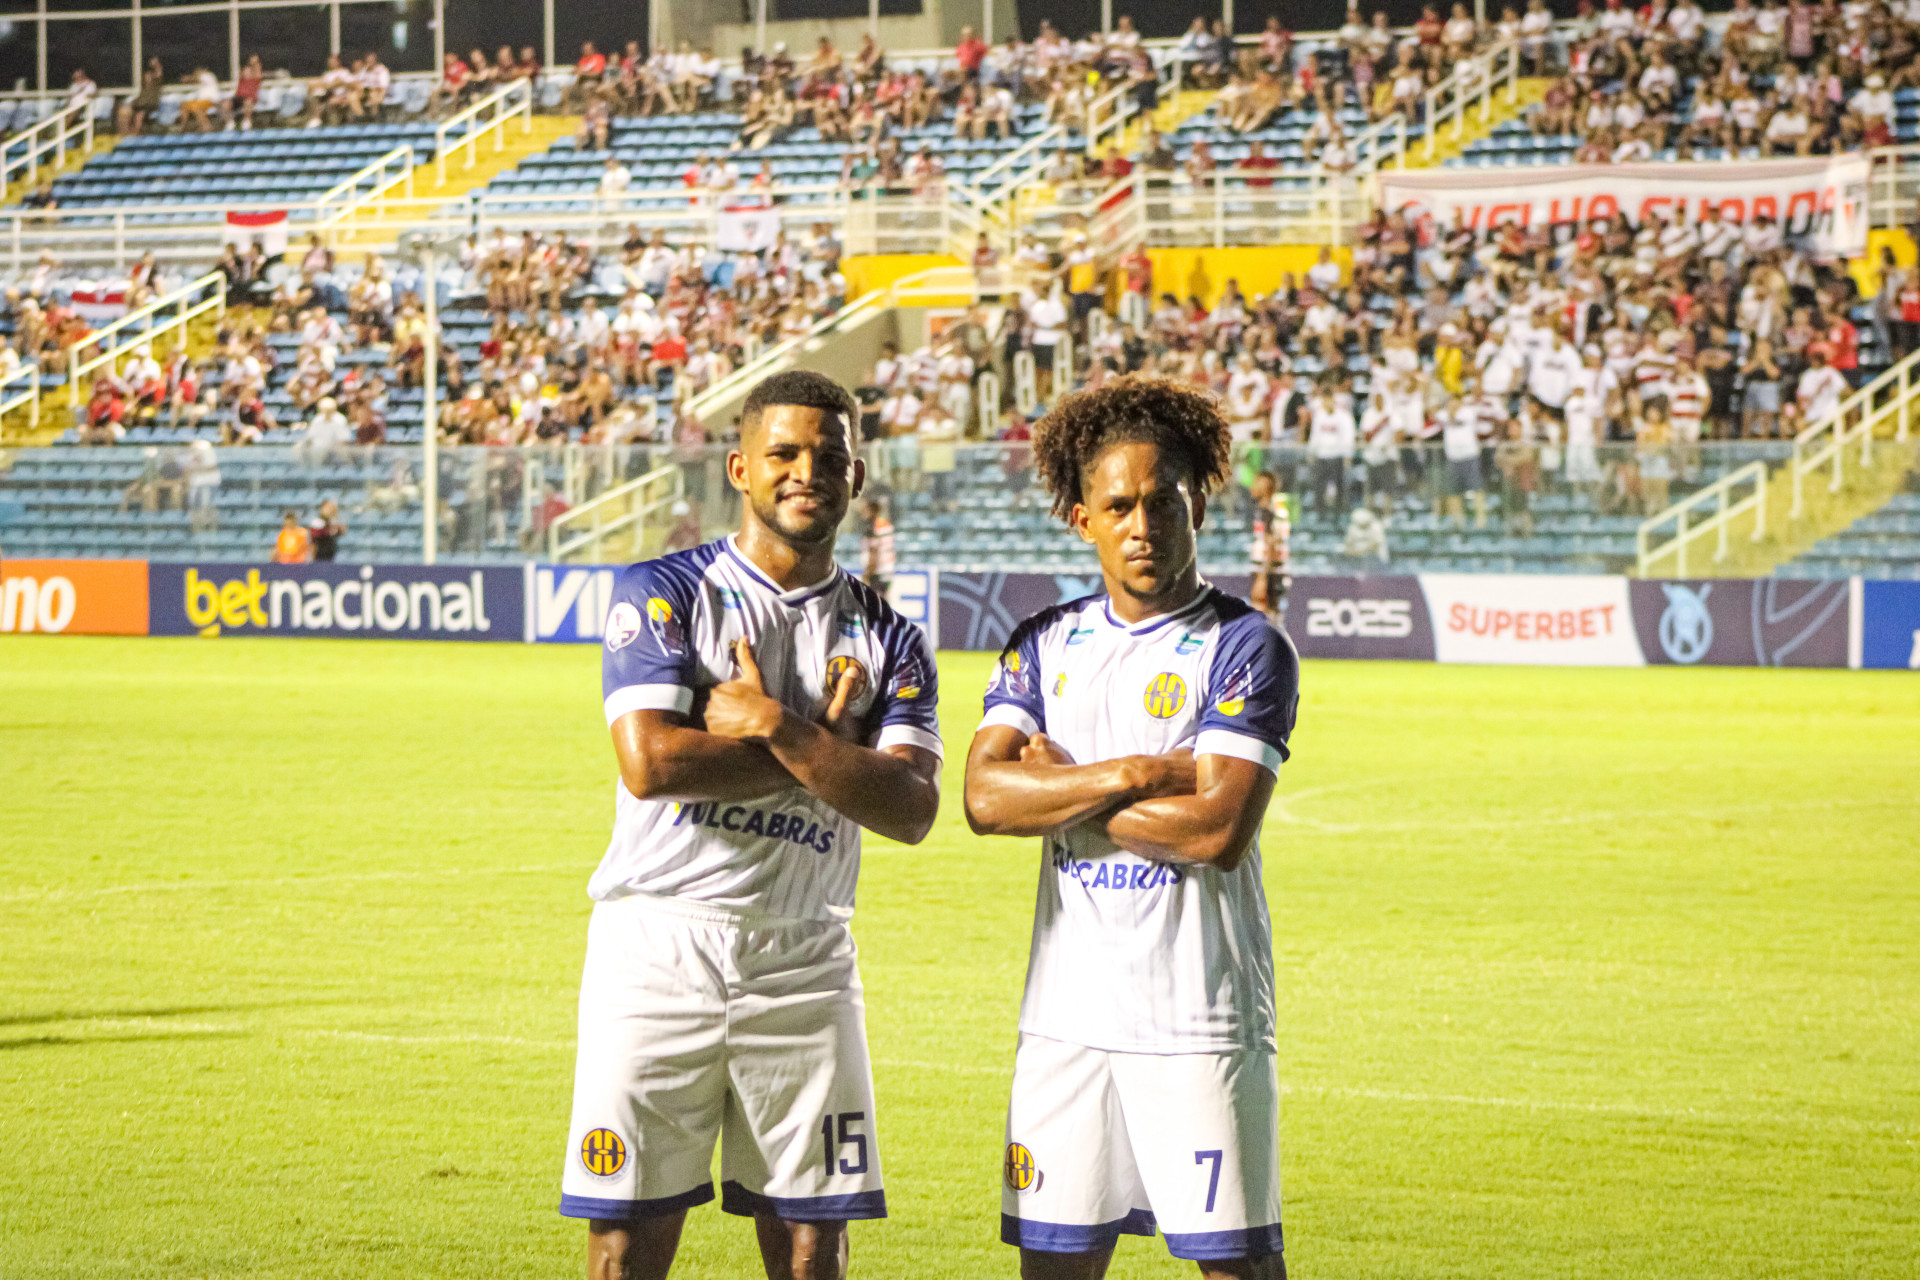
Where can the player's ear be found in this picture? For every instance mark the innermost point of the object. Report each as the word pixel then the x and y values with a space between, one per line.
pixel 1199 508
pixel 859 478
pixel 737 469
pixel 1078 519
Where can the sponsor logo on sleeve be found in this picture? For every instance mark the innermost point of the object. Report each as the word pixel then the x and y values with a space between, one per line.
pixel 666 628
pixel 623 625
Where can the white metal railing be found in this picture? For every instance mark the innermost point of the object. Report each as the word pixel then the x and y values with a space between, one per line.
pixel 1228 207
pixel 1472 84
pixel 26 151
pixel 345 199
pixel 775 357
pixel 1726 510
pixel 140 324
pixel 1108 114
pixel 1893 186
pixel 28 395
pixel 1824 443
pixel 622 511
pixel 487 116
pixel 1010 163
pixel 1380 143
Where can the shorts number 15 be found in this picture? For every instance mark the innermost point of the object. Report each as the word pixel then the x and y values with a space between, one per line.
pixel 844 1123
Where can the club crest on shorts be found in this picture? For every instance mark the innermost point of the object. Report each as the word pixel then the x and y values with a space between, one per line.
pixel 837 667
pixel 603 1153
pixel 1166 694
pixel 1021 1172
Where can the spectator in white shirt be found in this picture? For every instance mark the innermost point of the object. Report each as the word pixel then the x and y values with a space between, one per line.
pixel 1821 387
pixel 325 436
pixel 1049 319
pixel 615 178
pixel 1789 132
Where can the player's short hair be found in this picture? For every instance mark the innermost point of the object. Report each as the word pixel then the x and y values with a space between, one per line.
pixel 806 390
pixel 1136 409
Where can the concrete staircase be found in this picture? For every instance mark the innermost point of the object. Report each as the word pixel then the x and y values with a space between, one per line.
pixel 18 190
pixel 380 223
pixel 1452 143
pixel 1824 512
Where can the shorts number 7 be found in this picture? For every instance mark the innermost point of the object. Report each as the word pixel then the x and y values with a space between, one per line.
pixel 1213 1179
pixel 847 1119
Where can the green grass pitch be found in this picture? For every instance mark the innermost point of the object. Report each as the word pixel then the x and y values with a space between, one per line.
pixel 1581 973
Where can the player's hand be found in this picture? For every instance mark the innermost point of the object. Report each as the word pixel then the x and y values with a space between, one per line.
pixel 740 708
pixel 841 722
pixel 1040 749
pixel 1150 777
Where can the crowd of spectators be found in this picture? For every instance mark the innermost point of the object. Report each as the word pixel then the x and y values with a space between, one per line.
pixel 1493 362
pixel 1791 79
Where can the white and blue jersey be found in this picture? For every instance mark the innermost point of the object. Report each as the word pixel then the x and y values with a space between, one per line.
pixel 670 638
pixel 1129 955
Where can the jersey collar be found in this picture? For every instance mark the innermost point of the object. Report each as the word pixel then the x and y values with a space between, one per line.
pixel 1147 626
pixel 799 595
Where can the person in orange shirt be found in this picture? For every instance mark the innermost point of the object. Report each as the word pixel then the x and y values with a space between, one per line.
pixel 294 545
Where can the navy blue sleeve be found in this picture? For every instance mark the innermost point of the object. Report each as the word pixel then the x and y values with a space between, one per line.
pixel 909 707
pixel 649 662
pixel 1014 694
pixel 1253 693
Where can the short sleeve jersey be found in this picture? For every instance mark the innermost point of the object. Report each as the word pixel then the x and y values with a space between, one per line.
pixel 1130 955
pixel 670 638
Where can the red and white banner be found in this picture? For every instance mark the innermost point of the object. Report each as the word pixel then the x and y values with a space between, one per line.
pixel 1543 619
pixel 269 228
pixel 100 301
pixel 747 229
pixel 1825 199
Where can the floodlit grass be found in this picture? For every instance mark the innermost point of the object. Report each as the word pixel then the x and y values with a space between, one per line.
pixel 1581 973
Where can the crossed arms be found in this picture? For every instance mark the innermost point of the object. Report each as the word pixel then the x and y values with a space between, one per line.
pixel 751 745
pixel 1200 811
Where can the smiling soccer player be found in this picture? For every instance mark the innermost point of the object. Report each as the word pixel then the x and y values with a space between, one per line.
pixel 765 706
pixel 1139 733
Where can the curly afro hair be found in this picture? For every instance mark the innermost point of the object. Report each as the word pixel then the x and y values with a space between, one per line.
pixel 1136 409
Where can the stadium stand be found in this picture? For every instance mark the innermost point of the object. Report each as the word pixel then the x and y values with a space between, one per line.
pixel 1700 343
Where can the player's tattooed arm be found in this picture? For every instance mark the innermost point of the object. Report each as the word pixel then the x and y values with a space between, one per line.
pixel 1019 785
pixel 1214 826
pixel 895 792
pixel 663 756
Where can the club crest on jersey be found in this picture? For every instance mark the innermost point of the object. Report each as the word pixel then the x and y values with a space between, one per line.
pixel 1060 685
pixel 623 624
pixel 1166 694
pixel 603 1153
pixel 1013 676
pixel 666 627
pixel 837 667
pixel 1021 1172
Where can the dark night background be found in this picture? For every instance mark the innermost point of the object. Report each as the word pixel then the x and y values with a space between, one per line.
pixel 296 38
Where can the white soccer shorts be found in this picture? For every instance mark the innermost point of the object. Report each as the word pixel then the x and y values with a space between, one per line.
pixel 1100 1144
pixel 697 1025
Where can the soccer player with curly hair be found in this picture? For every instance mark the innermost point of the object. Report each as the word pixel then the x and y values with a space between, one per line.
pixel 1139 732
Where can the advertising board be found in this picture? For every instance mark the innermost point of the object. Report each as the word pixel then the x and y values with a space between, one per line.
pixel 74 597
pixel 388 601
pixel 1531 619
pixel 1741 622
pixel 1890 625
